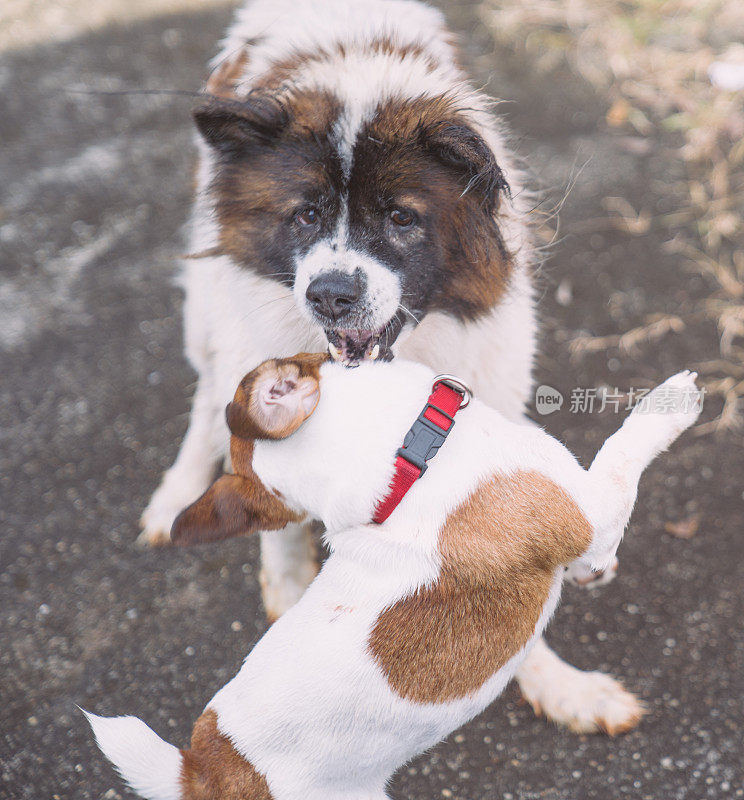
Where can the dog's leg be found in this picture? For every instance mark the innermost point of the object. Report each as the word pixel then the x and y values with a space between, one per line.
pixel 289 563
pixel 496 357
pixel 580 574
pixel 612 479
pixel 192 470
pixel 326 793
pixel 585 702
pixel 591 701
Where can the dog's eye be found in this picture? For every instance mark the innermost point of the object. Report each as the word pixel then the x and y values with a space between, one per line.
pixel 308 217
pixel 402 218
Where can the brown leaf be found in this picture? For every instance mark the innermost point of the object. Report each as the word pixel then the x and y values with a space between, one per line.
pixel 685 528
pixel 618 113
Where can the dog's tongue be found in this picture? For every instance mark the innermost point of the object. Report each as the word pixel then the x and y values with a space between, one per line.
pixel 352 346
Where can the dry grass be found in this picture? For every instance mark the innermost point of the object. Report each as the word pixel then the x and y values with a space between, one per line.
pixel 652 60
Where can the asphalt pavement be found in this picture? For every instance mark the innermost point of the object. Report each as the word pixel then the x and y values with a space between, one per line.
pixel 94 393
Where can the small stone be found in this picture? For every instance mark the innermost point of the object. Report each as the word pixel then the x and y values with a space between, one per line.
pixel 564 293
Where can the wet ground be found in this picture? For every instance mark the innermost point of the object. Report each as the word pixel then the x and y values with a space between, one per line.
pixel 94 394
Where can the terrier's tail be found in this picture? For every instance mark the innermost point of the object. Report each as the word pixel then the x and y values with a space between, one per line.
pixel 149 765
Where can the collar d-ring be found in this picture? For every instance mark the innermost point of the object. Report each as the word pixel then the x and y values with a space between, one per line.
pixel 457 385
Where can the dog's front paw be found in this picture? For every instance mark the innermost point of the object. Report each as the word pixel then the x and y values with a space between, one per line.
pixel 155 528
pixel 165 505
pixel 583 702
pixel 594 703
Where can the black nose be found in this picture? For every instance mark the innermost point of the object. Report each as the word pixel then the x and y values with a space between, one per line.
pixel 332 294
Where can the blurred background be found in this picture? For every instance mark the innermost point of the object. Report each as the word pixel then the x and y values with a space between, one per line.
pixel 630 118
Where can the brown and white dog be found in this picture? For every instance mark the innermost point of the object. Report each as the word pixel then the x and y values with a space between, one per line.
pixel 353 193
pixel 412 626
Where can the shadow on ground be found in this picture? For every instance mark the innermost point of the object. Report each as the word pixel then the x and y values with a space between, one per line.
pixel 94 400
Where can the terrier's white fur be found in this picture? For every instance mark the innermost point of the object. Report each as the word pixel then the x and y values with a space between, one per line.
pixel 311 709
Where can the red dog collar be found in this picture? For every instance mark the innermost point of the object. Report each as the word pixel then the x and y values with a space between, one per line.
pixel 448 396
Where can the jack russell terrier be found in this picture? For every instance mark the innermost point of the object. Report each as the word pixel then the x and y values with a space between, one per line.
pixel 430 599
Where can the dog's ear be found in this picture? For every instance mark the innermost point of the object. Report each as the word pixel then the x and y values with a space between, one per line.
pixel 273 400
pixel 232 126
pixel 460 147
pixel 233 505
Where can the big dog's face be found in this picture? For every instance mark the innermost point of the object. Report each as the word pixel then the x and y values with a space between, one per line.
pixel 372 223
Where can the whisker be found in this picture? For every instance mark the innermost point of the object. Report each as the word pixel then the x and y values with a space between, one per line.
pixel 120 92
pixel 269 302
pixel 284 316
pixel 410 313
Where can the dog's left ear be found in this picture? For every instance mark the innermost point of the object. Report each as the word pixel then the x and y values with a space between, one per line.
pixel 233 505
pixel 273 400
pixel 460 147
pixel 233 127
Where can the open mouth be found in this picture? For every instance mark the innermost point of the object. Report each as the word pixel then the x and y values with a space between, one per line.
pixel 351 346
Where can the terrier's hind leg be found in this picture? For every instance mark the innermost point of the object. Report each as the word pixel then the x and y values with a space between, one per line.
pixel 592 701
pixel 613 477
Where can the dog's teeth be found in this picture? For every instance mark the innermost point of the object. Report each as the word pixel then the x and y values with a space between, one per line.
pixel 375 352
pixel 333 350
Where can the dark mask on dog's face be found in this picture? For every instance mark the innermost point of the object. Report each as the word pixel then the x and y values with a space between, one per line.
pixel 371 225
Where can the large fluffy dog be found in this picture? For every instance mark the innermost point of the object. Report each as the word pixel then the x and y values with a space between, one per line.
pixel 353 192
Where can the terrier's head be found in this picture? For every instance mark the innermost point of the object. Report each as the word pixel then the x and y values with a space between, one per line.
pixel 299 450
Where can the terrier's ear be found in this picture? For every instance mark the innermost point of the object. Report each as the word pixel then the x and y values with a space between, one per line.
pixel 276 398
pixel 233 505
